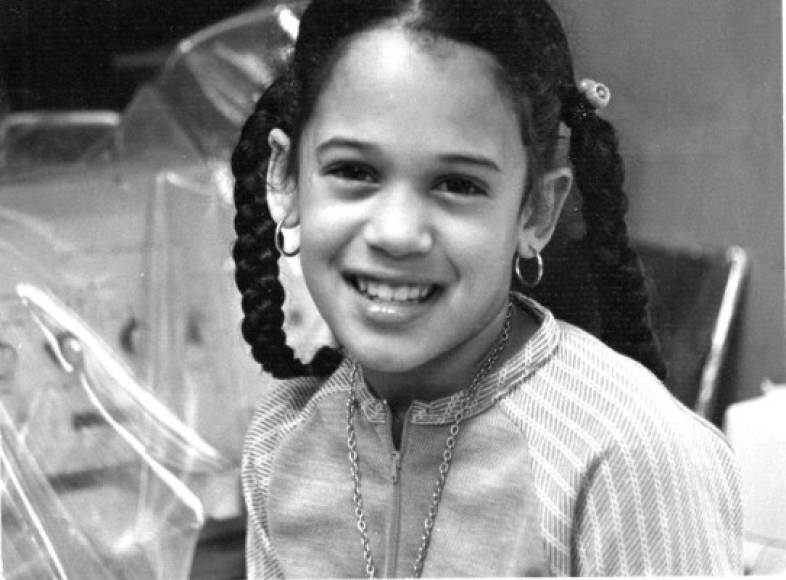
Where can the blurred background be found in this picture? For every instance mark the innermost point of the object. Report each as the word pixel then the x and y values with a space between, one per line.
pixel 91 54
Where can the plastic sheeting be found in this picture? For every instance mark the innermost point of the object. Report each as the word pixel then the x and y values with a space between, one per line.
pixel 88 453
pixel 126 390
pixel 125 386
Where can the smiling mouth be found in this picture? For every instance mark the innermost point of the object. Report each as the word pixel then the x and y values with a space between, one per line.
pixel 377 290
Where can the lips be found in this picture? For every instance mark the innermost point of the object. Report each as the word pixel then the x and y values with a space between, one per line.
pixel 394 292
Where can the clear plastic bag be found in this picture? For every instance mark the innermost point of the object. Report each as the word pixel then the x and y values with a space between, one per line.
pixel 84 492
pixel 40 538
pixel 121 502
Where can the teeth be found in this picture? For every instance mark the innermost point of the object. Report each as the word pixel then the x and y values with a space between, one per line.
pixel 392 293
pixel 381 291
pixel 403 293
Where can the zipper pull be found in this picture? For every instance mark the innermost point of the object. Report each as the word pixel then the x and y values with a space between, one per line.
pixel 396 456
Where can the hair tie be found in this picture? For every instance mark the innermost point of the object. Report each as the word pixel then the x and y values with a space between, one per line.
pixel 583 100
pixel 597 94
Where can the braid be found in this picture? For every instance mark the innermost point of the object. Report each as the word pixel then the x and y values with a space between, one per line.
pixel 254 252
pixel 616 268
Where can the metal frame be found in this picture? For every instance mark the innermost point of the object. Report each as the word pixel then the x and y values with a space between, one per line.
pixel 708 386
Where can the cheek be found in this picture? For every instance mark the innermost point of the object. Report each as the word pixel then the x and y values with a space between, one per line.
pixel 324 228
pixel 318 217
pixel 327 230
pixel 484 247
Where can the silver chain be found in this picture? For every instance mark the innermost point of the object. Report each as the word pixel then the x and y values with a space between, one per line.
pixel 467 399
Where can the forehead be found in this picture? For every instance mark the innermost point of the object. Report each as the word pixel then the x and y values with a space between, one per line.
pixel 394 82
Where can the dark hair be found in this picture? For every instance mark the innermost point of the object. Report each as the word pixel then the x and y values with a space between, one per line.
pixel 529 44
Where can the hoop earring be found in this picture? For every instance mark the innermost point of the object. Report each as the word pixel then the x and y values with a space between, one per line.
pixel 278 240
pixel 520 277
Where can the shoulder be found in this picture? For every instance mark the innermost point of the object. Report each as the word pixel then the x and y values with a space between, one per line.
pixel 585 357
pixel 288 405
pixel 662 480
pixel 601 382
pixel 607 439
pixel 614 396
pixel 562 360
pixel 593 402
pixel 286 409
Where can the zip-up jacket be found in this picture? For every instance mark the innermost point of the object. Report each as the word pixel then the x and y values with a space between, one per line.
pixel 573 460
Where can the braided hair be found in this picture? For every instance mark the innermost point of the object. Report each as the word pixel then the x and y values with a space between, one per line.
pixel 621 288
pixel 255 253
pixel 535 69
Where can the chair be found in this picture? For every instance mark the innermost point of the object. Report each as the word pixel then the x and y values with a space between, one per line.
pixel 695 298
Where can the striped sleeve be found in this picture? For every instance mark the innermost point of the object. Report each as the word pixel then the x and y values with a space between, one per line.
pixel 674 511
pixel 273 420
pixel 281 413
pixel 630 481
pixel 259 559
pixel 255 471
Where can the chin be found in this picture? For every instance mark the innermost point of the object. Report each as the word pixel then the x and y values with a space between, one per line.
pixel 386 360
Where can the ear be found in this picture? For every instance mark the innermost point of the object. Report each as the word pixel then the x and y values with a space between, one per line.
pixel 281 187
pixel 541 211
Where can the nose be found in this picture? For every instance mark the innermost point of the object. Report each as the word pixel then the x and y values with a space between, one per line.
pixel 400 222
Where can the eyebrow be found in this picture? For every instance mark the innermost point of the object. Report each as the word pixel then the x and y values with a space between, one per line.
pixel 344 142
pixel 465 158
pixel 480 160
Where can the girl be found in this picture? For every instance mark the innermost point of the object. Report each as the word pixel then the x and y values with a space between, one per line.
pixel 419 148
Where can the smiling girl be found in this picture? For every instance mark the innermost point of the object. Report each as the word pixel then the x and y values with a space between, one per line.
pixel 459 429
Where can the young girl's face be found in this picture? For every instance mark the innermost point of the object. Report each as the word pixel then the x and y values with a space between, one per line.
pixel 410 191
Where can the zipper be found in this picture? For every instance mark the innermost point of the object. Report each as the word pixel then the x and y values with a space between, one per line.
pixel 396 457
pixel 391 552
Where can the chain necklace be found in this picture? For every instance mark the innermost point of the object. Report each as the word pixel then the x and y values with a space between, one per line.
pixel 466 401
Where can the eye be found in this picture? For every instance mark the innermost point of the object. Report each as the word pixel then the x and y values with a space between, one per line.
pixel 352 172
pixel 459 186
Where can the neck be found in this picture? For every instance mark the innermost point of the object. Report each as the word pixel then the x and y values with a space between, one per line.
pixel 445 376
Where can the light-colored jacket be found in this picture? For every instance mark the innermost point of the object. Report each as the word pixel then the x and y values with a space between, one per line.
pixel 574 460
